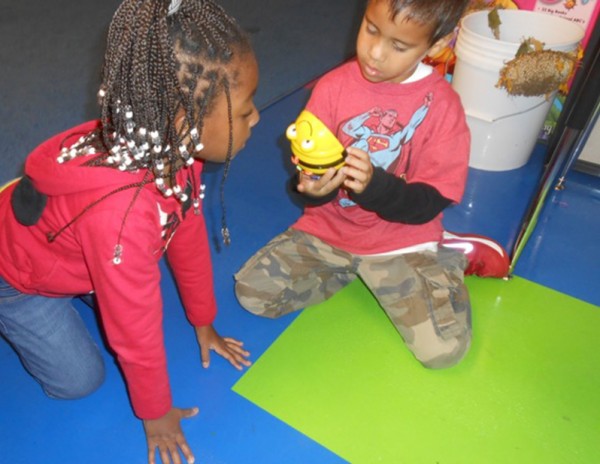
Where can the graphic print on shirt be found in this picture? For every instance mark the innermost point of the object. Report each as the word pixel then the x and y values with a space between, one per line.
pixel 382 136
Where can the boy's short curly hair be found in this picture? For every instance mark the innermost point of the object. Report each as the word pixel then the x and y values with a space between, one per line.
pixel 443 15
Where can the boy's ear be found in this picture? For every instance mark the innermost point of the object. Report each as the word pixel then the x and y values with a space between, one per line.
pixel 440 45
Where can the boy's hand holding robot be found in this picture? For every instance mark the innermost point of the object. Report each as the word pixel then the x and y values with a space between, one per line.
pixel 319 156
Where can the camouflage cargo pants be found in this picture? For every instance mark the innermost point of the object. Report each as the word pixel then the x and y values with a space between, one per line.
pixel 422 293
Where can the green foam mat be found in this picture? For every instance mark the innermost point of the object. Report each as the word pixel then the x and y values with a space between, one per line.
pixel 527 392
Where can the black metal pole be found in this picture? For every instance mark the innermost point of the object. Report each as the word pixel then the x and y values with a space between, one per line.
pixel 577 115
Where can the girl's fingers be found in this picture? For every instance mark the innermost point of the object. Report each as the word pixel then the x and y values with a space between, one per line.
pixel 233 341
pixel 187 452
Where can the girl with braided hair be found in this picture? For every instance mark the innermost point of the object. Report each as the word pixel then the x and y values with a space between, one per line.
pixel 100 203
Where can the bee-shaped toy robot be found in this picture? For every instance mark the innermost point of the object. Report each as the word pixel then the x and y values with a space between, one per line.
pixel 315 149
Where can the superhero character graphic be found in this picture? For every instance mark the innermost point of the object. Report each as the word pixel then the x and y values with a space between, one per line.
pixel 384 140
pixel 380 134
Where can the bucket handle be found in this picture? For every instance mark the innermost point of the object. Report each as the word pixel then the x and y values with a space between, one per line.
pixel 486 118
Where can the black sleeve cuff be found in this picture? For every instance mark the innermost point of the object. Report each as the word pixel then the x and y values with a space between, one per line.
pixel 395 200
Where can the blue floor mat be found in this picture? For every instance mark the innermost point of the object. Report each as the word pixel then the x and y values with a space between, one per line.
pixel 230 429
pixel 49 84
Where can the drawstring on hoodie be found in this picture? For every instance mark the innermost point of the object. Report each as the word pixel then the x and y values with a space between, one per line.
pixel 118 247
pixel 52 236
pixel 118 250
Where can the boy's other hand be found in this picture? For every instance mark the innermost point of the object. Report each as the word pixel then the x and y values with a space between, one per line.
pixel 313 186
pixel 230 348
pixel 165 434
pixel 358 170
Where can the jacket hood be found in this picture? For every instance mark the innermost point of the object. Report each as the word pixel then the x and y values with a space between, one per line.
pixel 53 178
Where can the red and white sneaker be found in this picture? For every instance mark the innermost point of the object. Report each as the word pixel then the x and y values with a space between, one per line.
pixel 486 257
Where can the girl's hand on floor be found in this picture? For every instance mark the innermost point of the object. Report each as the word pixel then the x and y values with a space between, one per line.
pixel 231 349
pixel 165 434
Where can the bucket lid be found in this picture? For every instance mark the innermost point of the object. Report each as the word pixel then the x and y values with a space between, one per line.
pixel 516 25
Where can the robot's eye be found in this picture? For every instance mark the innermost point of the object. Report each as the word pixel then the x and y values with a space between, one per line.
pixel 291 132
pixel 307 145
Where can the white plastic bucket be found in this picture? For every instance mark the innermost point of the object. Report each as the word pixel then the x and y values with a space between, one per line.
pixel 504 128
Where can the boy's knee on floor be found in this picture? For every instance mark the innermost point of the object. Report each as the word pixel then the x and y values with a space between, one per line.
pixel 251 304
pixel 265 311
pixel 445 359
pixel 431 349
pixel 260 310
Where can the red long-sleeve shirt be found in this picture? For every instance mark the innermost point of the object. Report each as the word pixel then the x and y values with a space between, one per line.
pixel 80 259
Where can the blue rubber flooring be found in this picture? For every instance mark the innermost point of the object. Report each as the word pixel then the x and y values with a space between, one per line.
pixel 48 86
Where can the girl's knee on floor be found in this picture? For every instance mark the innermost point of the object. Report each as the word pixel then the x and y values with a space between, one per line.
pixel 76 384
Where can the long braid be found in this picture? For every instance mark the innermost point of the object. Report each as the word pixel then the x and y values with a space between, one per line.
pixel 224 228
pixel 159 67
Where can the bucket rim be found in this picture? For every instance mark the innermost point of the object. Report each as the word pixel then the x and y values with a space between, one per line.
pixel 514 12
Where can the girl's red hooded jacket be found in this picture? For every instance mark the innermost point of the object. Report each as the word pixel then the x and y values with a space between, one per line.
pixel 81 258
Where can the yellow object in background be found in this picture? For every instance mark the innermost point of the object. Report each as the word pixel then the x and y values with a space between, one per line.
pixel 314 146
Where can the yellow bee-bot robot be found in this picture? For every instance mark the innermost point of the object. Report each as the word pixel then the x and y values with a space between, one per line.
pixel 315 149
